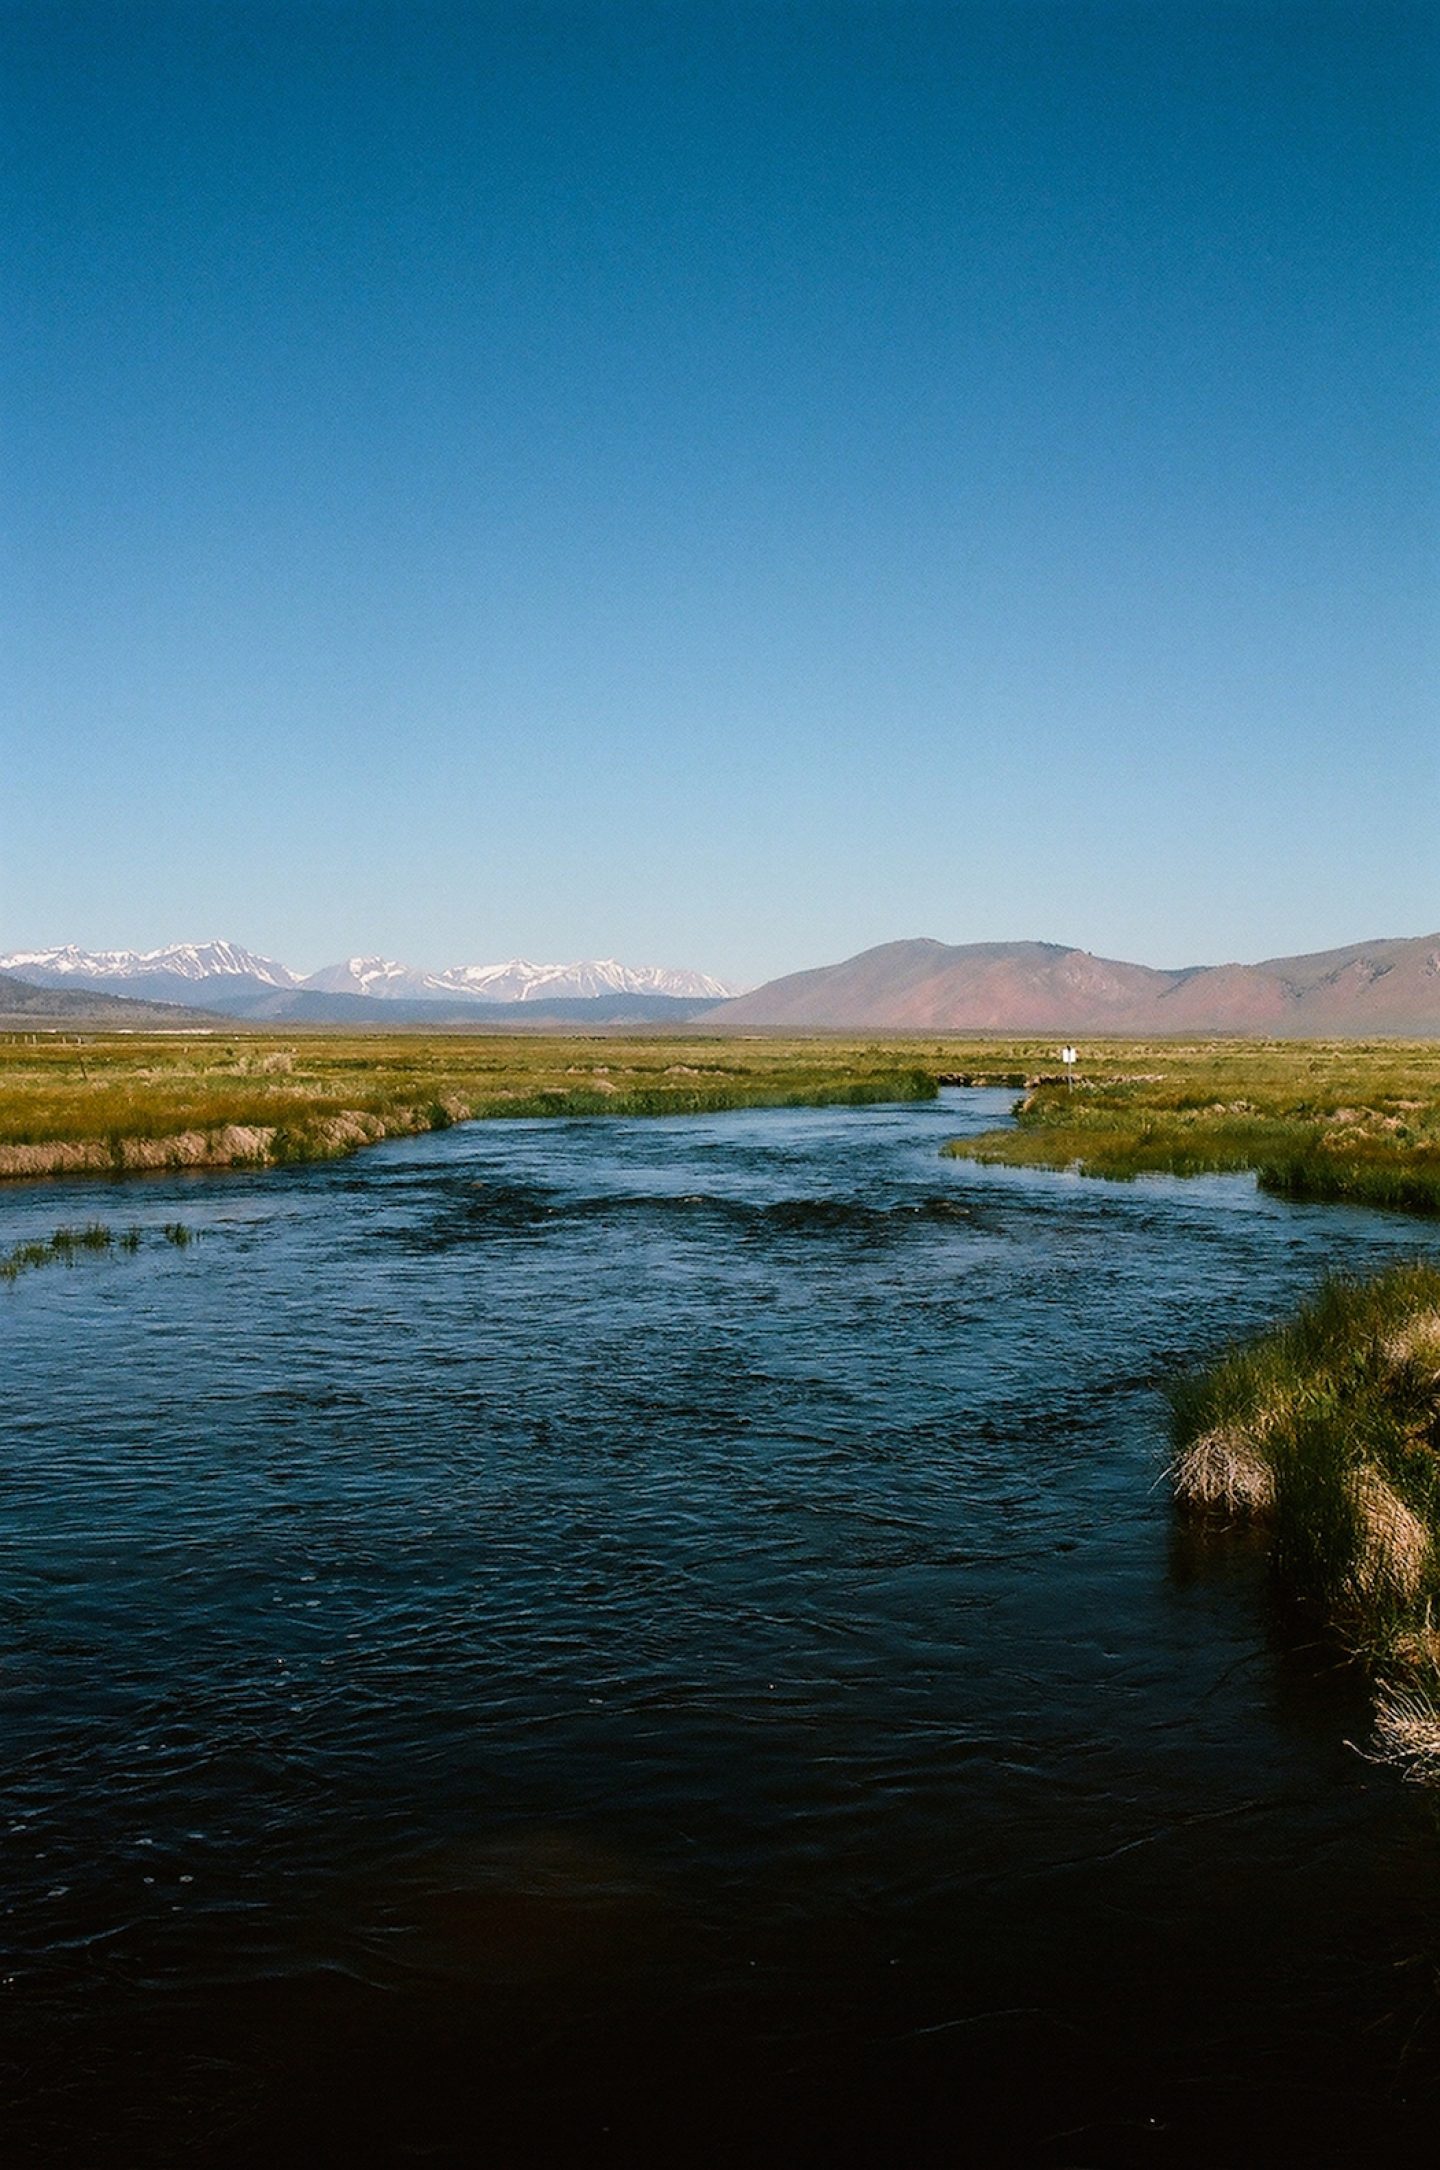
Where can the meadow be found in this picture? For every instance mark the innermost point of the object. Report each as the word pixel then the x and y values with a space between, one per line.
pixel 116 1103
pixel 1338 1120
pixel 1355 1122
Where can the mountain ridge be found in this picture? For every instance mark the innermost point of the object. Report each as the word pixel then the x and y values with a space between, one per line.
pixel 1389 986
pixel 24 1004
pixel 224 975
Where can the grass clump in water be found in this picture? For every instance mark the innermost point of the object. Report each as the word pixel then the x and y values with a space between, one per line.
pixel 1327 1432
pixel 67 1245
pixel 62 1249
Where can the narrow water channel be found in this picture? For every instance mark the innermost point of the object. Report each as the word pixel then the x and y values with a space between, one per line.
pixel 666 1642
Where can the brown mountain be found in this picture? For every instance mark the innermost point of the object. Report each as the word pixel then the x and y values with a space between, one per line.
pixel 25 1005
pixel 1384 987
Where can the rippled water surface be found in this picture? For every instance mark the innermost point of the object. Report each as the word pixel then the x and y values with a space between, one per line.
pixel 664 1641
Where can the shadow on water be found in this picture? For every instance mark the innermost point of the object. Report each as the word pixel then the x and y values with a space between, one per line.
pixel 666 1643
pixel 487 1211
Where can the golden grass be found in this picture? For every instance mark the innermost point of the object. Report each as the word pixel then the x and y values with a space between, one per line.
pixel 1333 1119
pixel 1224 1473
pixel 1327 1432
pixel 1343 1120
pixel 1407 1728
pixel 1393 1550
pixel 115 1103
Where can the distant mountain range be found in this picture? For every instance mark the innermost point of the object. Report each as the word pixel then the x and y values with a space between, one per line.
pixel 516 981
pixel 1389 988
pixel 226 979
pixel 1386 987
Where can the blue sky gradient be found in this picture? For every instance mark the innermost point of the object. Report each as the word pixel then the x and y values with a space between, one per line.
pixel 720 484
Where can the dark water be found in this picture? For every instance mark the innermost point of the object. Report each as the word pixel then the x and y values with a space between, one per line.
pixel 663 1642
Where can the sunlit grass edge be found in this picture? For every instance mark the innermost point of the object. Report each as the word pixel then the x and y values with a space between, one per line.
pixel 1325 1432
pixel 1350 1123
pixel 121 1104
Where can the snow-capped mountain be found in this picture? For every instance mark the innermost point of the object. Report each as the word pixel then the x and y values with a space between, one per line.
pixel 521 981
pixel 515 981
pixel 226 976
pixel 518 980
pixel 379 977
pixel 186 962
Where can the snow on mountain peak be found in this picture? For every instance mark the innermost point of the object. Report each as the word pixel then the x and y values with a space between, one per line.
pixel 375 976
pixel 520 980
pixel 171 972
pixel 180 960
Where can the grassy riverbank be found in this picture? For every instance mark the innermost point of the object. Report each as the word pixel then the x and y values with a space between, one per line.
pixel 1326 1432
pixel 1343 1121
pixel 120 1103
pixel 1339 1120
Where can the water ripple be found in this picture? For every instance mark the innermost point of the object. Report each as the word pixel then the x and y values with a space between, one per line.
pixel 684 1598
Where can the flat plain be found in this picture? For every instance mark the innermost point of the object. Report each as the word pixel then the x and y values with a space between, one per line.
pixel 115 1103
pixel 1352 1121
pixel 1324 1119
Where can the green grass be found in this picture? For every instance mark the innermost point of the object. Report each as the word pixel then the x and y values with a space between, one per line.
pixel 1326 1432
pixel 1355 1123
pixel 1347 1121
pixel 67 1245
pixel 121 1102
pixel 61 1249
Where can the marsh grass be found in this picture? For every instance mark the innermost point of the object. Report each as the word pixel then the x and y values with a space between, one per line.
pixel 1352 1123
pixel 60 1249
pixel 122 1103
pixel 1332 1422
pixel 67 1245
pixel 1345 1121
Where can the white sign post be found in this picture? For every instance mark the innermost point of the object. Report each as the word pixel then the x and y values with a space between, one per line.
pixel 1070 1056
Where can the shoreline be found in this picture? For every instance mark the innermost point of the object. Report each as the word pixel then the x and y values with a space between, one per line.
pixel 235 1146
pixel 1322 1433
pixel 1356 1125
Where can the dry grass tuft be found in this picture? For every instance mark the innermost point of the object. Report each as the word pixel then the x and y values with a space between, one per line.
pixel 1417 1648
pixel 1407 1726
pixel 1417 1344
pixel 344 1132
pixel 1325 1428
pixel 1394 1548
pixel 1224 1473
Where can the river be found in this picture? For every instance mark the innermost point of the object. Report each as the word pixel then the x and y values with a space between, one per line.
pixel 638 1642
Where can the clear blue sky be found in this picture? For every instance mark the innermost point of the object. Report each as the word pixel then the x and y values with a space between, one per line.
pixel 719 484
